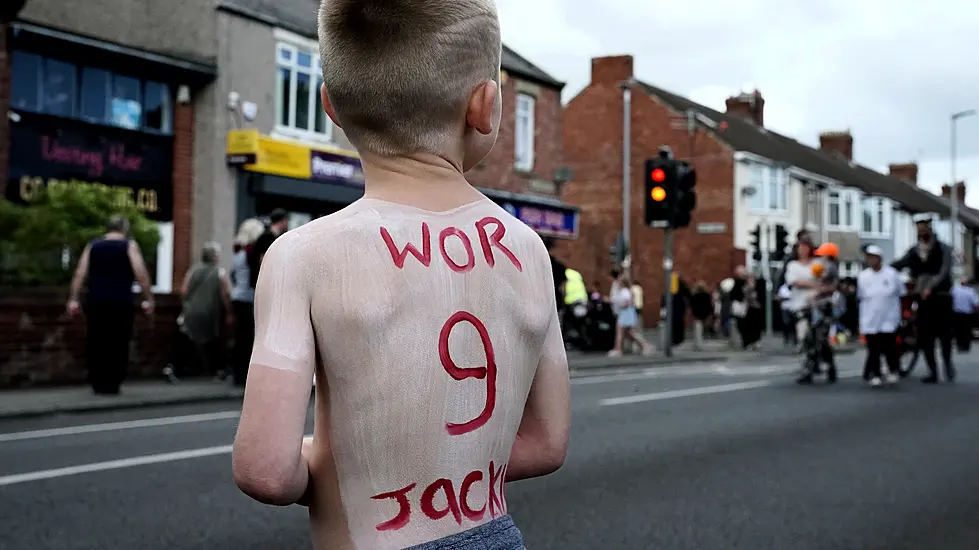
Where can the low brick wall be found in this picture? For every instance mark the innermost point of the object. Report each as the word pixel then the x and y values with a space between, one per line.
pixel 41 346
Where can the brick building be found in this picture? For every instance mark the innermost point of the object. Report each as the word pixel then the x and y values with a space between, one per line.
pixel 593 145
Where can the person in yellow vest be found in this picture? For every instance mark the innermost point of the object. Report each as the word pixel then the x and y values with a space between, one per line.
pixel 574 287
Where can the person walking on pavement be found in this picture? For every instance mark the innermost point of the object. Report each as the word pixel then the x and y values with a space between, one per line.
pixel 370 295
pixel 930 264
pixel 107 268
pixel 243 297
pixel 627 319
pixel 784 295
pixel 746 308
pixel 702 307
pixel 206 293
pixel 879 291
pixel 278 224
pixel 964 304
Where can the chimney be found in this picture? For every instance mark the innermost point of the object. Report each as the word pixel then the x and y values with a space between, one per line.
pixel 840 143
pixel 960 187
pixel 611 70
pixel 907 172
pixel 750 107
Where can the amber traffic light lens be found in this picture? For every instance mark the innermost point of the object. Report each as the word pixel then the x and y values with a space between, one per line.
pixel 658 194
pixel 658 175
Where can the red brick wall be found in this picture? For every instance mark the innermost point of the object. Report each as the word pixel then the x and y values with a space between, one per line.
pixel 39 345
pixel 183 188
pixel 593 147
pixel 496 171
pixel 5 62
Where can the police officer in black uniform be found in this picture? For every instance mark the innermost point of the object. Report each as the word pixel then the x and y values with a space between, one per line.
pixel 930 263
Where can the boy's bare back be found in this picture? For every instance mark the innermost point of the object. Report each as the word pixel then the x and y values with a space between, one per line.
pixel 429 329
pixel 426 311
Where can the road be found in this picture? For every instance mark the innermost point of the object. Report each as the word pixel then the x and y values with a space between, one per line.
pixel 708 457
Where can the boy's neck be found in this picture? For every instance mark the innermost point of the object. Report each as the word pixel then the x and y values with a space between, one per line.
pixel 423 181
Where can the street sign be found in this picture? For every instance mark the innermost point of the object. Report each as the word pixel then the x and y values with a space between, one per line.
pixel 711 228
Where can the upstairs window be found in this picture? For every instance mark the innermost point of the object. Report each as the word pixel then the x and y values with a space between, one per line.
pixel 841 210
pixel 771 189
pixel 55 87
pixel 523 137
pixel 299 106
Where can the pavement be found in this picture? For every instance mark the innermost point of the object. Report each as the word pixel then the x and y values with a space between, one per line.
pixel 151 393
pixel 693 457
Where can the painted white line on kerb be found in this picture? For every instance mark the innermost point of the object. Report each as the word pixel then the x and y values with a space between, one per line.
pixel 126 425
pixel 705 390
pixel 113 465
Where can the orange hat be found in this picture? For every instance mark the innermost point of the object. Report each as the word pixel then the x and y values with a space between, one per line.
pixel 827 249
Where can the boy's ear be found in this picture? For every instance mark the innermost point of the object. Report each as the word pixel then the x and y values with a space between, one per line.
pixel 327 106
pixel 481 109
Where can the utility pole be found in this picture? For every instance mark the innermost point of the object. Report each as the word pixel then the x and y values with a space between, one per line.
pixel 668 273
pixel 626 154
pixel 954 198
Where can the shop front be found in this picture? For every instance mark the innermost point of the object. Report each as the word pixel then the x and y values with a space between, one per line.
pixel 48 150
pixel 310 182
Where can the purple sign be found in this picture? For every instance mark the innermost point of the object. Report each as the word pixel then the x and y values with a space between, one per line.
pixel 333 168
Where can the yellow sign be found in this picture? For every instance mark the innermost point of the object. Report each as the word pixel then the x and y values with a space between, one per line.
pixel 243 142
pixel 674 284
pixel 281 159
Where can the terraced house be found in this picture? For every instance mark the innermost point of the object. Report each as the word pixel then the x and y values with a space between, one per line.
pixel 747 175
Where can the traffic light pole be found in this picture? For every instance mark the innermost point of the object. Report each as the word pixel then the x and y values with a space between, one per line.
pixel 668 270
pixel 766 263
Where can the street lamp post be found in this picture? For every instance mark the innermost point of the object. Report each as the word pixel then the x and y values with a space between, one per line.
pixel 954 198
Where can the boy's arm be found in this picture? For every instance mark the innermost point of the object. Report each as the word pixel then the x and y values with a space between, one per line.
pixel 268 461
pixel 542 438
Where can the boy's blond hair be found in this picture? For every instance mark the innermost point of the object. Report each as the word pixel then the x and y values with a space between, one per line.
pixel 399 73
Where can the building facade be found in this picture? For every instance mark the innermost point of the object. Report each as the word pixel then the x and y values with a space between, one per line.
pixel 278 149
pixel 104 92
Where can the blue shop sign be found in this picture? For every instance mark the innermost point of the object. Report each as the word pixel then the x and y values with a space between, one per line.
pixel 545 219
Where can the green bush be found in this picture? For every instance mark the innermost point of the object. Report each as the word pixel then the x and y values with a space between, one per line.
pixel 40 243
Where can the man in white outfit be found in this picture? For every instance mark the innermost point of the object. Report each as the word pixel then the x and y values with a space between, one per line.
pixel 879 291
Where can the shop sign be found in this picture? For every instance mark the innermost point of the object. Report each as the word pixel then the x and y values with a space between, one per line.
pixel 547 220
pixel 333 168
pixel 48 151
pixel 257 153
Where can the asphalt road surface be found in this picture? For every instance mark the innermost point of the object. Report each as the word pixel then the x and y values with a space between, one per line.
pixel 705 457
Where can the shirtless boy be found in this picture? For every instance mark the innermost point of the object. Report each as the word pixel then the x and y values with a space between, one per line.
pixel 425 311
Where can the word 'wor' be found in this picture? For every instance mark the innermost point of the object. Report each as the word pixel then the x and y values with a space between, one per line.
pixel 457 504
pixel 487 242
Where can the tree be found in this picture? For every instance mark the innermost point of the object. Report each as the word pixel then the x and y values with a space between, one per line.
pixel 40 242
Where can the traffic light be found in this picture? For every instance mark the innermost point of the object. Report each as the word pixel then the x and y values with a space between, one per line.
pixel 686 197
pixel 755 243
pixel 660 178
pixel 781 243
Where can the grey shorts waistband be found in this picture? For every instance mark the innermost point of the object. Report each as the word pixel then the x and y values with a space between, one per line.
pixel 499 534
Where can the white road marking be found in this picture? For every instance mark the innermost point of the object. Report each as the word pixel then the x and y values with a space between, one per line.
pixel 113 465
pixel 126 425
pixel 690 392
pixel 26 477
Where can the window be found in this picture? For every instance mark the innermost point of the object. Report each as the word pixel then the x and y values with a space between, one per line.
pixel 771 188
pixel 299 78
pixel 54 87
pixel 157 106
pixel 841 210
pixel 524 133
pixel 876 216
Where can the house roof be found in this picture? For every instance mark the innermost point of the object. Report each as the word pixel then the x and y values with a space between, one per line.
pixel 299 16
pixel 743 135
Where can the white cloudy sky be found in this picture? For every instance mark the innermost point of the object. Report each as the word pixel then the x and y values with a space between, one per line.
pixel 890 71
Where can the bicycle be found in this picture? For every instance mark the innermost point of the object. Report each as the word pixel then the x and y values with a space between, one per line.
pixel 907 335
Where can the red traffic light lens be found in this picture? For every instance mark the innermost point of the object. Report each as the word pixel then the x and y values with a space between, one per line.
pixel 658 175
